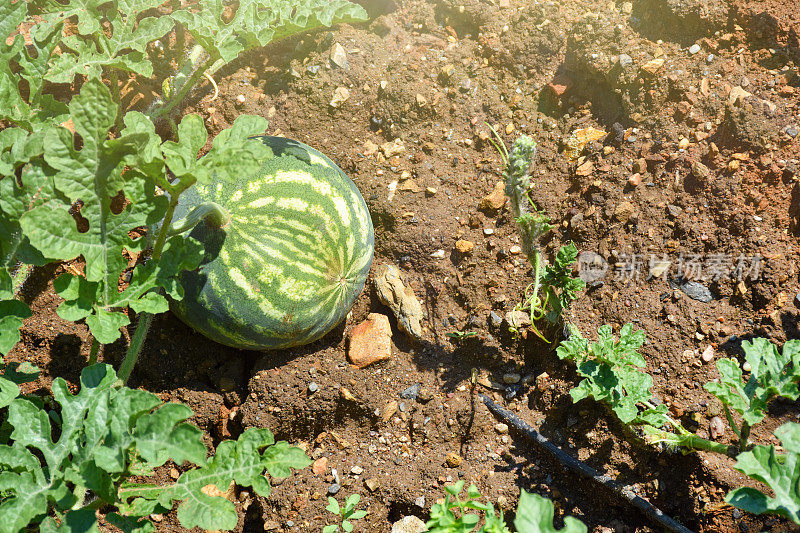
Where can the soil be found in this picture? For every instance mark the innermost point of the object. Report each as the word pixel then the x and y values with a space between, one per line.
pixel 432 75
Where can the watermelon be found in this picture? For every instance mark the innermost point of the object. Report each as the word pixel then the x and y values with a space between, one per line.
pixel 294 256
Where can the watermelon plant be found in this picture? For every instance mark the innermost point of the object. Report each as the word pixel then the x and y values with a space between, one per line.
pixel 553 287
pixel 64 461
pixel 534 514
pixel 612 372
pixel 114 41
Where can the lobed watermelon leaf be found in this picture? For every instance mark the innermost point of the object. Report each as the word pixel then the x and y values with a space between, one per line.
pixel 122 46
pixel 259 22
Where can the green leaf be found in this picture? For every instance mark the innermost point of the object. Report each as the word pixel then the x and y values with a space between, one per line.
pixel 122 46
pixel 535 515
pixel 612 373
pixel 773 373
pixel 92 177
pixel 782 476
pixel 130 524
pixel 330 528
pixel 333 506
pixel 160 436
pixel 75 521
pixel 12 313
pixel 259 22
pixel 240 461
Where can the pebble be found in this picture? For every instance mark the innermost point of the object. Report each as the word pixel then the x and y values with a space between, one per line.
pixel 320 466
pixel 438 254
pixel 708 354
pixel 420 502
pixel 411 393
pixel 464 246
pixel 495 320
pixel 313 387
pixel 696 291
pixel 453 460
pixel 694 49
pixel 791 131
pixel 746 367
pixel 409 524
pixel 271 525
pixel 495 199
pixel 424 395
pixel 716 428
pixel 501 428
pixel 339 56
pixel 511 378
pixel 635 180
pixel 370 341
pixel 334 488
pixel 683 144
pixel 518 318
pixel 357 470
pixel 372 484
pixel 515 249
pixel 340 96
pixel 421 100
pixel 625 60
pixel 240 99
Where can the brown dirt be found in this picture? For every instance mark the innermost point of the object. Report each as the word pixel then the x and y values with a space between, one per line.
pixel 449 67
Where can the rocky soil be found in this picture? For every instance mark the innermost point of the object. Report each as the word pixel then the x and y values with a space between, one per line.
pixel 696 175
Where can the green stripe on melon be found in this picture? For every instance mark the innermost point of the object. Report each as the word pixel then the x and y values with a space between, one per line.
pixel 287 267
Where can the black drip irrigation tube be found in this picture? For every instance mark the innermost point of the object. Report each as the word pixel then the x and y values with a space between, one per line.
pixel 649 510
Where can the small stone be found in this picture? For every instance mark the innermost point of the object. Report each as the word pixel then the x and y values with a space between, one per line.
pixel 400 298
pixel 700 171
pixel 393 148
pixel 389 410
pixel 696 291
pixel 424 395
pixel 340 96
pixel 409 524
pixel 501 428
pixel 511 378
pixel 173 473
pixel 736 94
pixel 733 165
pixel 635 180
pixel 625 60
pixel 695 48
pixel 518 319
pixel 627 8
pixel 372 484
pixel 339 57
pixel 624 211
pixel 370 341
pixel 271 525
pixel 464 246
pixel 495 199
pixel 683 144
pixel 420 502
pixel 313 387
pixel 334 488
pixel 653 66
pixel 791 131
pixel 515 249
pixel 453 460
pixel 431 191
pixel 241 99
pixel 708 354
pixel 356 470
pixel 320 466
pixel 421 100
pixel 438 254
pixel 746 367
pixel 716 428
pixel 410 393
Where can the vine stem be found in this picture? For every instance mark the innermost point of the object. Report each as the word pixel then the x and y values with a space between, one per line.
pixel 93 351
pixel 146 319
pixel 20 276
pixel 184 90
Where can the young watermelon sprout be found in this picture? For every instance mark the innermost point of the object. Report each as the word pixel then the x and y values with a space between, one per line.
pixel 553 287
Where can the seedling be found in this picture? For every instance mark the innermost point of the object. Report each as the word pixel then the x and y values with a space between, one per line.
pixel 345 514
pixel 553 287
pixel 534 514
pixel 461 335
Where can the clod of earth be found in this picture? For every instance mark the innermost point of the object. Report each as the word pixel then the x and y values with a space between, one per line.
pixel 401 299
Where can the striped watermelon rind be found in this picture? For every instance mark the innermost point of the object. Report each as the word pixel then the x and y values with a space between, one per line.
pixel 290 263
